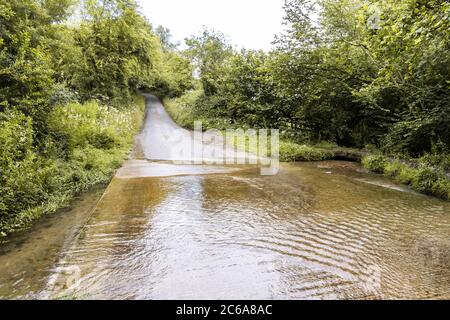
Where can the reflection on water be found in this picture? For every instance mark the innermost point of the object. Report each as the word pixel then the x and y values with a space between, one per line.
pixel 314 231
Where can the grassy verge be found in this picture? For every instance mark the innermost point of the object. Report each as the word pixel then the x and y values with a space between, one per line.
pixel 291 152
pixel 180 110
pixel 423 175
pixel 426 175
pixel 87 143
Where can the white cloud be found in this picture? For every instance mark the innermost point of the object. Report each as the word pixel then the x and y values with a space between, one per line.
pixel 248 23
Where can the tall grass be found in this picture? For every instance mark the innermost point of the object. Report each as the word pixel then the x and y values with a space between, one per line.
pixel 290 151
pixel 88 141
pixel 420 175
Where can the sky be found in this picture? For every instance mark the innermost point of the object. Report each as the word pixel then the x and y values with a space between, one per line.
pixel 251 24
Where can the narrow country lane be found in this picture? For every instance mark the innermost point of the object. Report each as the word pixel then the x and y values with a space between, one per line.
pixel 165 230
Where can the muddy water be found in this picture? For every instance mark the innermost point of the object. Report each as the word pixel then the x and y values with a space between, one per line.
pixel 28 258
pixel 314 231
pixel 323 230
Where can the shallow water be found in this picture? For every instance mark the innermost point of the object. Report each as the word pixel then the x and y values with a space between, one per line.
pixel 324 230
pixel 314 231
pixel 29 257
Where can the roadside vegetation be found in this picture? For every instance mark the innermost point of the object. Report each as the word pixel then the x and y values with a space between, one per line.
pixel 362 77
pixel 428 174
pixel 70 72
pixel 89 141
pixel 345 76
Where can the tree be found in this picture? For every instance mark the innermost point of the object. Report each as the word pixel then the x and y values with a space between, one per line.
pixel 370 71
pixel 166 38
pixel 120 53
pixel 209 53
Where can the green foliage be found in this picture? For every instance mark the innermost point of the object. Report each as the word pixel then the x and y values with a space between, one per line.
pixel 441 188
pixel 25 71
pixel 176 76
pixel 354 72
pixel 110 53
pixel 423 178
pixel 400 171
pixel 375 163
pixel 68 109
pixel 374 71
pixel 209 53
pixel 326 145
pixel 290 151
pixel 90 140
pixel 91 123
pixel 166 38
pixel 119 52
pixel 181 109
pixel 438 157
pixel 19 178
pixel 16 137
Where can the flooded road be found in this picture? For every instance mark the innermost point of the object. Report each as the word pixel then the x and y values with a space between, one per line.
pixel 324 230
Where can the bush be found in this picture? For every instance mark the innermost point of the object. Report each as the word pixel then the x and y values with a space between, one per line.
pixel 405 175
pixel 436 160
pixel 375 163
pixel 326 145
pixel 393 168
pixel 290 151
pixel 400 171
pixel 22 173
pixel 95 139
pixel 63 95
pixel 16 138
pixel 424 179
pixel 93 124
pixel 181 109
pixel 441 188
